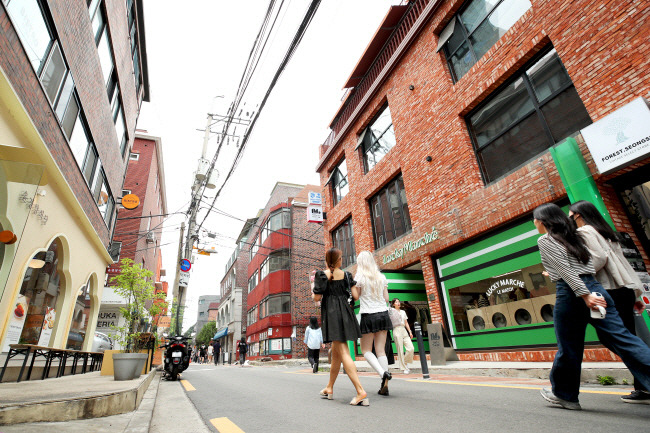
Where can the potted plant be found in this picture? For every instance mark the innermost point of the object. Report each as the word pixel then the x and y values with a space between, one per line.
pixel 134 284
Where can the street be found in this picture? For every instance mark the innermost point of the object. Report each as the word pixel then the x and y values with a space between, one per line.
pixel 274 398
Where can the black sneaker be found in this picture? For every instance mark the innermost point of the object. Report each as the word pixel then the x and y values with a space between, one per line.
pixel 637 397
pixel 315 367
pixel 552 398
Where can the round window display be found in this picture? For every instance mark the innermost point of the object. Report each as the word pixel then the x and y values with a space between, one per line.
pixel 499 320
pixel 522 317
pixel 547 313
pixel 478 323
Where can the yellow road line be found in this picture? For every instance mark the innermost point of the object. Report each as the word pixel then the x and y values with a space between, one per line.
pixel 224 425
pixel 509 386
pixel 187 385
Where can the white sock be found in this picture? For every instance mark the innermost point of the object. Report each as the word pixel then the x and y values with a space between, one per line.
pixel 374 363
pixel 383 361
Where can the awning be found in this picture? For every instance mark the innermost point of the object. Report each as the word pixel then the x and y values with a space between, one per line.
pixel 221 334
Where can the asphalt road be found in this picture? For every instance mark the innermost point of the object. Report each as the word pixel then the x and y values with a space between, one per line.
pixel 277 398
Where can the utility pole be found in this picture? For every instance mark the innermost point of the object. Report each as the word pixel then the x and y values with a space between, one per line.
pixel 177 288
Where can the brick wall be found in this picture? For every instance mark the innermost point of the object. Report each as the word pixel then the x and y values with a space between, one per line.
pixel 604 47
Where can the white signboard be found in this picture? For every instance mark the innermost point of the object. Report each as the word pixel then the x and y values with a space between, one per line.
pixel 315 198
pixel 16 321
pixel 314 214
pixel 620 138
pixel 48 325
pixel 184 279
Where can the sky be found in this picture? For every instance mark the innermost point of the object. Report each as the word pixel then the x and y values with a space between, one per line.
pixel 196 56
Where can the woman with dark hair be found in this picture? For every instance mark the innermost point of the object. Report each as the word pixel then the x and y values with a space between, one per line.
pixel 568 262
pixel 403 336
pixel 339 325
pixel 613 271
pixel 314 342
pixel 242 347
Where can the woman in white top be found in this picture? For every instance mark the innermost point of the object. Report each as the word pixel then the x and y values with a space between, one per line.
pixel 402 339
pixel 614 272
pixel 314 342
pixel 372 292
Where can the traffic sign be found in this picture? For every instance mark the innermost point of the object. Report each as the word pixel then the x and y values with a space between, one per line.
pixel 184 279
pixel 185 265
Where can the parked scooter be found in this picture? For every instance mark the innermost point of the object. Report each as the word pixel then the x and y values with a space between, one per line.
pixel 177 356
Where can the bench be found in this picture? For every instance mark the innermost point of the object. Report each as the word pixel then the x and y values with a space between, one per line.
pixel 51 354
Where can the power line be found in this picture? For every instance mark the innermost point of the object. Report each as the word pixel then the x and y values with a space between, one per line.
pixel 288 55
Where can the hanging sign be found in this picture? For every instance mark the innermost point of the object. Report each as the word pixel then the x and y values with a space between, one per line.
pixel 130 201
pixel 620 138
pixel 315 198
pixel 314 214
pixel 184 279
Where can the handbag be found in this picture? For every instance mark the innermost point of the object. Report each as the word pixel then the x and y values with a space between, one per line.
pixel 395 317
pixel 350 297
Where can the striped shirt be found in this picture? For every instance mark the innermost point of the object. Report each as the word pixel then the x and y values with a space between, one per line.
pixel 561 265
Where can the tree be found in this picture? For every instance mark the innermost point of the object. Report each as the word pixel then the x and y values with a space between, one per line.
pixel 207 332
pixel 134 285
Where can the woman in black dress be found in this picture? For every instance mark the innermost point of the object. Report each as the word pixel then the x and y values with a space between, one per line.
pixel 339 324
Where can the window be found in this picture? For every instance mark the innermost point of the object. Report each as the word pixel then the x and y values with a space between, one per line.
pixel 252 282
pixel 254 247
pixel 133 35
pixel 339 181
pixel 377 139
pixel 102 40
pixel 201 313
pixel 277 304
pixel 475 29
pixel 280 219
pixel 536 109
pixel 252 316
pixel 390 213
pixel 126 192
pixel 32 29
pixel 343 239
pixel 276 261
pixel 120 127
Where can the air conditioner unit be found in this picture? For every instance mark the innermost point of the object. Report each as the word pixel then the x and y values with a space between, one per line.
pixel 151 237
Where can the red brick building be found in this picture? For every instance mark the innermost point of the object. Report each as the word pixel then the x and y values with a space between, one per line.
pixel 460 118
pixel 73 75
pixel 283 248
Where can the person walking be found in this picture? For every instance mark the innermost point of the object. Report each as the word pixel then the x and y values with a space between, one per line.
pixel 614 272
pixel 372 293
pixel 568 262
pixel 403 336
pixel 339 325
pixel 216 351
pixel 242 347
pixel 202 354
pixel 314 342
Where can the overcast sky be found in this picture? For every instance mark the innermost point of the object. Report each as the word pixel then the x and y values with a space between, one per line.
pixel 196 53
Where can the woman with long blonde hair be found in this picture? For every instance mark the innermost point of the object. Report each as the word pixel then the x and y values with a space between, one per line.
pixel 372 292
pixel 338 323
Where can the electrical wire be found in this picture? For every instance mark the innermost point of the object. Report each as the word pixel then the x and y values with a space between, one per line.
pixel 313 7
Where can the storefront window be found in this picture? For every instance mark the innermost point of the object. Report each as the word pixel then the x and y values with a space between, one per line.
pixel 38 297
pixel 79 319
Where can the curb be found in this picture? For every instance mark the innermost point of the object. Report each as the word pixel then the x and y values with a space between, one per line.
pixel 69 409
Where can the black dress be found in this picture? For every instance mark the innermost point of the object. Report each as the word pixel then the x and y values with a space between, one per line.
pixel 337 318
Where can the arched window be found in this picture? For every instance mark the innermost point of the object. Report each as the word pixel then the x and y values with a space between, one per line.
pixel 79 323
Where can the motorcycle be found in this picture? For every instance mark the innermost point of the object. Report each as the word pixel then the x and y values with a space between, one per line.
pixel 177 357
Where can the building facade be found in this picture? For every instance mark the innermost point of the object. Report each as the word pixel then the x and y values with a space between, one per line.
pixel 73 76
pixel 231 318
pixel 202 315
pixel 138 231
pixel 282 252
pixel 460 118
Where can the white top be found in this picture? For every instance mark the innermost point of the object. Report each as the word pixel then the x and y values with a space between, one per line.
pixel 368 301
pixel 313 338
pixel 402 314
pixel 210 349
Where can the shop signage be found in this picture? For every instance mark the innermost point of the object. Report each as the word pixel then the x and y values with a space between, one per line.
pixel 130 201
pixel 315 214
pixel 48 325
pixel 620 138
pixel 411 246
pixel 504 286
pixel 315 198
pixel 16 321
pixel 108 319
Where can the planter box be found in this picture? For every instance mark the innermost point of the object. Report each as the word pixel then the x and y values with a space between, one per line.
pixel 107 364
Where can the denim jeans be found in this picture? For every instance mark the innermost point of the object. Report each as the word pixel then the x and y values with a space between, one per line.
pixel 570 317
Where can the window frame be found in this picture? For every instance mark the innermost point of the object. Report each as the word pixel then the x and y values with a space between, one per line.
pixel 346 228
pixel 537 111
pixel 336 185
pixel 458 23
pixel 364 137
pixel 407 227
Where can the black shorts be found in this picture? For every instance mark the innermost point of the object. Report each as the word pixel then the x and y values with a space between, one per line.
pixel 375 322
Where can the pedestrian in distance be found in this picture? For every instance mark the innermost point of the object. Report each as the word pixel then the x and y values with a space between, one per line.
pixel 314 342
pixel 402 335
pixel 372 292
pixel 332 288
pixel 580 299
pixel 216 351
pixel 210 350
pixel 242 347
pixel 614 272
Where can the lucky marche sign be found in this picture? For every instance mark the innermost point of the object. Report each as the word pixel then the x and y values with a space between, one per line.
pixel 185 265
